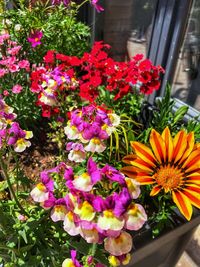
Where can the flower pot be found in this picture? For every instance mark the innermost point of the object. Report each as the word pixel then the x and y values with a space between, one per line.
pixel 165 250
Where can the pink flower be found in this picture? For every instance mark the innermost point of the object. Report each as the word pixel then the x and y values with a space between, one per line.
pixel 97 7
pixel 14 51
pixel 13 68
pixel 5 93
pixel 35 38
pixel 2 72
pixel 24 64
pixel 17 89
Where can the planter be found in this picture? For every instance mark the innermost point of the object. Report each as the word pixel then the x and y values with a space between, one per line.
pixel 165 250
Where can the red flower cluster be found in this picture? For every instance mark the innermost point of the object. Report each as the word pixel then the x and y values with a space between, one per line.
pixel 96 69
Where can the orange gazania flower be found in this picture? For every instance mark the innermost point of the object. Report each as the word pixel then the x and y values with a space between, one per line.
pixel 171 164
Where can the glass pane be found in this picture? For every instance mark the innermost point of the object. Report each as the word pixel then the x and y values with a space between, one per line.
pixel 186 85
pixel 126 26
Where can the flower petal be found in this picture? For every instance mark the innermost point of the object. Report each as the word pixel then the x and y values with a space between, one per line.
pixel 166 135
pixel 194 178
pixel 141 164
pixel 182 203
pixel 129 171
pixel 156 189
pixel 180 145
pixel 127 159
pixel 158 145
pixel 192 162
pixel 144 153
pixel 190 147
pixel 193 194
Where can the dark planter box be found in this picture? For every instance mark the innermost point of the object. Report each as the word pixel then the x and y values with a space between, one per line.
pixel 165 250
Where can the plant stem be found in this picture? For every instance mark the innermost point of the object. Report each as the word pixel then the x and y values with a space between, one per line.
pixel 6 176
pixel 93 249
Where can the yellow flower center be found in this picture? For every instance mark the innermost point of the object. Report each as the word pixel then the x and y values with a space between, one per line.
pixel 96 141
pixel 41 187
pixel 108 213
pixel 168 177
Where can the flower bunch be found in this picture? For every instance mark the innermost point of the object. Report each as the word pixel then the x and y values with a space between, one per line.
pixel 10 132
pixel 96 71
pixel 52 86
pixel 90 125
pixel 96 204
pixel 11 63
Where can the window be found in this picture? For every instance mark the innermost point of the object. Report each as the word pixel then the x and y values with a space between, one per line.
pixel 126 26
pixel 186 85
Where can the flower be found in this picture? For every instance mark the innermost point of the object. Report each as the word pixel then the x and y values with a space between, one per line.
pixel 73 262
pixel 171 165
pixel 120 245
pixel 17 89
pixel 35 38
pixel 97 7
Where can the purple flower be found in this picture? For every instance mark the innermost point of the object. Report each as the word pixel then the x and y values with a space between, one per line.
pixel 50 202
pixel 47 181
pixel 122 201
pixel 113 174
pixel 94 130
pixel 97 7
pixel 93 171
pixel 35 38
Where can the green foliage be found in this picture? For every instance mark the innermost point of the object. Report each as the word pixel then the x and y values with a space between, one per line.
pixel 165 116
pixel 61 30
pixel 194 126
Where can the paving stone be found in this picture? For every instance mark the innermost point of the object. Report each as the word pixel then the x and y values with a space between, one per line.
pixel 186 261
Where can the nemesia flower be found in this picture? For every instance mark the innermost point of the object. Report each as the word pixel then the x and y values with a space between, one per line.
pixel 118 260
pixel 170 165
pixel 73 262
pixel 58 212
pixel 108 221
pixel 119 245
pixel 133 187
pixel 70 226
pixel 85 211
pixel 39 193
pixel 135 217
pixel 77 152
pixel 35 38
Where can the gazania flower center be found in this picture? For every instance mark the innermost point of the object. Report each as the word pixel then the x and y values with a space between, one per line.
pixel 168 177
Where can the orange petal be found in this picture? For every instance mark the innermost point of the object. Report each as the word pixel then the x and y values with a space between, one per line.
pixel 192 162
pixel 182 203
pixel 127 159
pixel 155 190
pixel 193 196
pixel 144 153
pixel 129 171
pixel 144 178
pixel 194 188
pixel 190 147
pixel 180 145
pixel 158 146
pixel 166 135
pixel 142 165
pixel 194 178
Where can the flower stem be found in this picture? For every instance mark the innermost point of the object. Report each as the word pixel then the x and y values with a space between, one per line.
pixel 6 176
pixel 93 249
